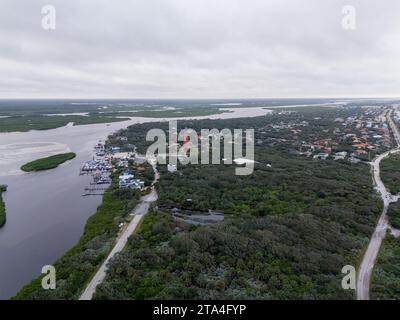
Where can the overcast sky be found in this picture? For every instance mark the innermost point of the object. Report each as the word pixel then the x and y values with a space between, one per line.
pixel 199 49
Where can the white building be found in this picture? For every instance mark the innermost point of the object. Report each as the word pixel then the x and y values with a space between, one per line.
pixel 127 180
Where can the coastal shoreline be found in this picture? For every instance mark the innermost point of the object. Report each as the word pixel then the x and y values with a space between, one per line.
pixel 55 181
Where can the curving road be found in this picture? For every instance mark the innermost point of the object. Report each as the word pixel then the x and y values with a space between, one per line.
pixel 138 213
pixel 368 262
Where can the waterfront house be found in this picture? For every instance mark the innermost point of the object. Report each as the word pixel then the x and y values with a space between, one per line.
pixel 127 181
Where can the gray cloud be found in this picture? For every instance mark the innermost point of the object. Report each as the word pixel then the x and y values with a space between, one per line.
pixel 198 49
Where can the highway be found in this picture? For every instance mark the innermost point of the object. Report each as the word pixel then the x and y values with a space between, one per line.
pixel 366 267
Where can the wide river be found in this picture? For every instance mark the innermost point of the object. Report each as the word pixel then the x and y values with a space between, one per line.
pixel 46 212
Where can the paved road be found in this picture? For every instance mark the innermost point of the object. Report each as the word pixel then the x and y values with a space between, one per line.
pixel 368 262
pixel 138 213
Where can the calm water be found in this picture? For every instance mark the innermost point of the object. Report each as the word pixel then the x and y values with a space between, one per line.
pixel 46 212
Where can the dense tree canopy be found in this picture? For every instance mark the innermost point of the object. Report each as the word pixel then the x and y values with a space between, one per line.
pixel 289 228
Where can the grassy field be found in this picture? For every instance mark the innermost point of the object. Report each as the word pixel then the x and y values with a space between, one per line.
pixel 39 122
pixel 2 208
pixel 177 113
pixel 48 163
pixel 24 118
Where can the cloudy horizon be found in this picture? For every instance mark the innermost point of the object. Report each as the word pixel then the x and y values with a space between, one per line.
pixel 193 49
